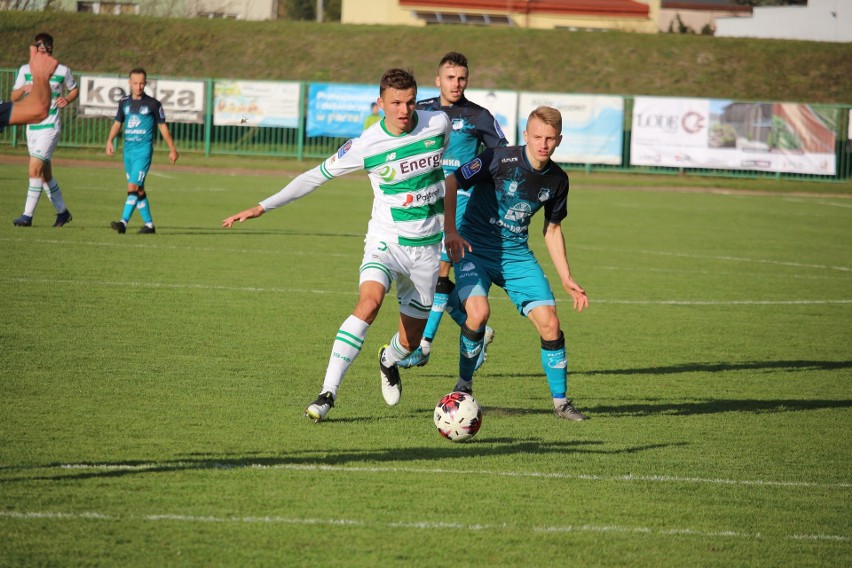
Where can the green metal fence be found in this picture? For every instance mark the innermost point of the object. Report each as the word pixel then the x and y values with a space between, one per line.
pixel 211 140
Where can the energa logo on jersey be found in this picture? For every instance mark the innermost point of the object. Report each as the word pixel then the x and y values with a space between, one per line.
pixel 387 173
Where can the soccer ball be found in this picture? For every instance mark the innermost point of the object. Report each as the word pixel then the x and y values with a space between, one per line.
pixel 458 416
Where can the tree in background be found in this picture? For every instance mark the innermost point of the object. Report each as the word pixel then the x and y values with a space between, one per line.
pixel 307 10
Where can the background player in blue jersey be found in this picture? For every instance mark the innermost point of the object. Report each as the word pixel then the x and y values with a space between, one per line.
pixel 139 113
pixel 473 129
pixel 36 105
pixel 509 185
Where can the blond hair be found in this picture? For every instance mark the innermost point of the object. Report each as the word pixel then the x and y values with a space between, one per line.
pixel 548 115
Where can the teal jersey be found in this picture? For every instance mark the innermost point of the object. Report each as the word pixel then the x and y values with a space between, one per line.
pixel 506 193
pixel 140 118
pixel 473 129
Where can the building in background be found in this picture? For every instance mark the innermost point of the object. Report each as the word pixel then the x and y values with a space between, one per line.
pixel 698 16
pixel 625 15
pixel 230 9
pixel 819 20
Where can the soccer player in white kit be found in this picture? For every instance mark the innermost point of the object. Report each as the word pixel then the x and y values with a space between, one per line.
pixel 42 138
pixel 402 155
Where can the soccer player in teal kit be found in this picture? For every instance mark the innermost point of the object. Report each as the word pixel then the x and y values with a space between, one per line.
pixel 509 185
pixel 473 129
pixel 139 113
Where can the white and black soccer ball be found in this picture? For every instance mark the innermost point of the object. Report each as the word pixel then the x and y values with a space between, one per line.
pixel 458 416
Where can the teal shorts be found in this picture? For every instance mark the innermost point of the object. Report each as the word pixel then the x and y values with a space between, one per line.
pixel 517 272
pixel 136 165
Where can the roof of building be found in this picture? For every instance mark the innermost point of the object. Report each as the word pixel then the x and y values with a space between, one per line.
pixel 630 8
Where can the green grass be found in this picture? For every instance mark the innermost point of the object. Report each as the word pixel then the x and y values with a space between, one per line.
pixel 153 387
pixel 558 61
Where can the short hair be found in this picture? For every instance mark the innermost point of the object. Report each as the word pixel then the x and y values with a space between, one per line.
pixel 138 71
pixel 46 40
pixel 399 79
pixel 454 59
pixel 548 115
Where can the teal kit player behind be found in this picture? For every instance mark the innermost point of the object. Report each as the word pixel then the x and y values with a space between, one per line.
pixel 141 115
pixel 473 129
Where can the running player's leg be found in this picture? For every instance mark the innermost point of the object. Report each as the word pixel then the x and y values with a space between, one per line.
pixel 528 288
pixel 472 284
pixel 143 165
pixel 415 291
pixel 37 146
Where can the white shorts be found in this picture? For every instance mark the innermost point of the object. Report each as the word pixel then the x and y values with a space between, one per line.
pixel 415 270
pixel 42 142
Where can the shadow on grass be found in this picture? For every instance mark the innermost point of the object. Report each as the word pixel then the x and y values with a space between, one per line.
pixel 791 366
pixel 717 406
pixel 362 460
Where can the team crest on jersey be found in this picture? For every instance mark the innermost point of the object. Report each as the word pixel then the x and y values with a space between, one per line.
pixel 544 194
pixel 458 123
pixel 343 149
pixel 471 168
pixel 143 110
pixel 387 173
pixel 513 188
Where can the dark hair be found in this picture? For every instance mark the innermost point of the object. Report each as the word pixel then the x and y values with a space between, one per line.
pixel 138 71
pixel 454 59
pixel 399 79
pixel 46 40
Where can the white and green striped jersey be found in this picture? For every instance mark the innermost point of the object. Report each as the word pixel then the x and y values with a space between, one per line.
pixel 61 79
pixel 406 174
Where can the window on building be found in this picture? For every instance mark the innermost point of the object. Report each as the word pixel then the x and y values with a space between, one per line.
pixel 111 8
pixel 432 18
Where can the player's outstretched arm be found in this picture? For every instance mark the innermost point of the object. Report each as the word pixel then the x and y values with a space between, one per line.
pixel 555 241
pixel 255 211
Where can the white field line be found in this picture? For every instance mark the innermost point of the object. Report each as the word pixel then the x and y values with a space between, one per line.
pixel 125 244
pixel 439 471
pixel 420 525
pixel 256 289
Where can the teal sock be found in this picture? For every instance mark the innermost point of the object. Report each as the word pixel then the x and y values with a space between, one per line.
pixel 555 365
pixel 470 346
pixel 129 207
pixel 144 210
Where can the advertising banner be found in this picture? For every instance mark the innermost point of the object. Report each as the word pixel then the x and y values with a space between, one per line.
pixel 592 126
pixel 341 110
pixel 183 101
pixel 730 135
pixel 503 105
pixel 256 103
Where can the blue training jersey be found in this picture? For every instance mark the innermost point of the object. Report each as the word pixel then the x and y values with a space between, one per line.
pixel 505 193
pixel 140 118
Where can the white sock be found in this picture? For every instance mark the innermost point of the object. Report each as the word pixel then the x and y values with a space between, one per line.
pixel 55 194
pixel 347 345
pixel 33 195
pixel 395 352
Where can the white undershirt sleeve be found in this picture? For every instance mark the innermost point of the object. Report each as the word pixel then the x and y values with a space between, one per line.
pixel 301 186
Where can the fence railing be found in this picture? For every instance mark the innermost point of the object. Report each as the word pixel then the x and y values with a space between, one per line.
pixel 209 139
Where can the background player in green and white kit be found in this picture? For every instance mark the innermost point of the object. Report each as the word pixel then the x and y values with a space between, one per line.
pixel 402 154
pixel 42 138
pixel 139 113
pixel 473 129
pixel 491 247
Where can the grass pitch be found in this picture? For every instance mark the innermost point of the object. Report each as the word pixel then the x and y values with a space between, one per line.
pixel 153 388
